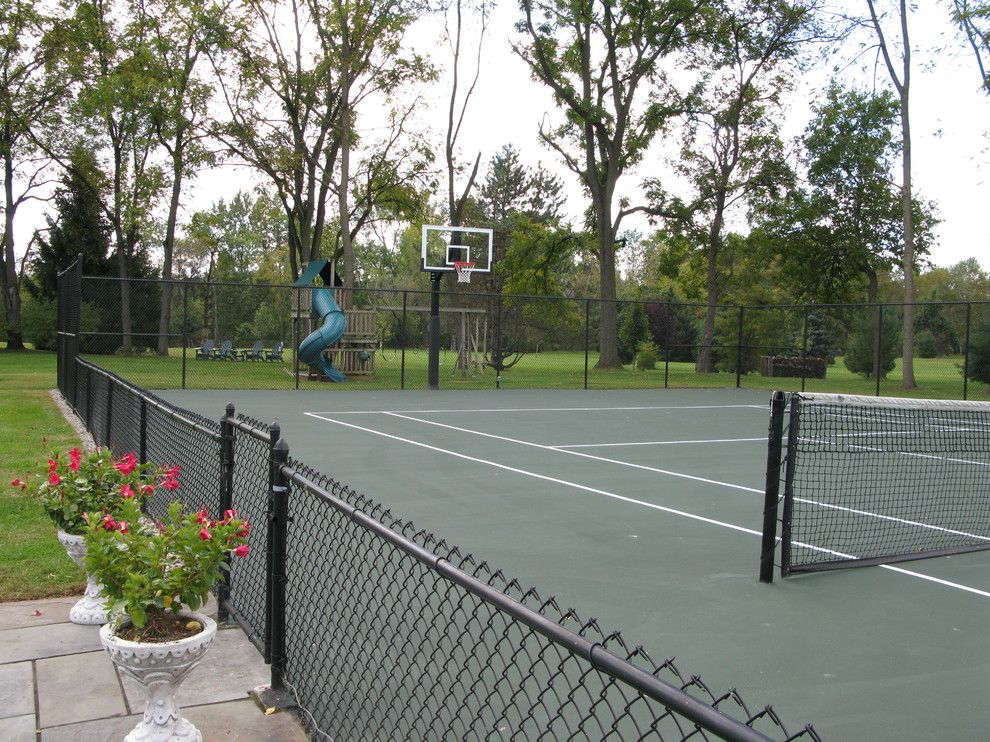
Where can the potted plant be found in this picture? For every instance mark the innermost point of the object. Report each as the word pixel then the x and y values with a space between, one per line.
pixel 155 576
pixel 77 483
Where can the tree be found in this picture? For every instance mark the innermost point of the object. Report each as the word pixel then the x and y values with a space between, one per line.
pixel 732 151
pixel 973 19
pixel 896 54
pixel 601 59
pixel 180 32
pixel 29 113
pixel 80 227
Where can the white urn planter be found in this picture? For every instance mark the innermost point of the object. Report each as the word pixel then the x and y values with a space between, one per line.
pixel 159 667
pixel 90 610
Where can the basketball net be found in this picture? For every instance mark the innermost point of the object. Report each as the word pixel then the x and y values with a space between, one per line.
pixel 463 269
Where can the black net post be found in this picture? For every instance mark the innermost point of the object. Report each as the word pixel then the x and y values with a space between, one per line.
pixel 587 338
pixel 278 513
pixel 965 369
pixel 739 346
pixel 793 424
pixel 772 494
pixel 402 339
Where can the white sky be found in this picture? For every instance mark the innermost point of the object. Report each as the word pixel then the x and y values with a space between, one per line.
pixel 950 120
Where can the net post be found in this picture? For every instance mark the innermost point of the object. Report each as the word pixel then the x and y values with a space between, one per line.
pixel 775 438
pixel 739 345
pixel 969 308
pixel 785 525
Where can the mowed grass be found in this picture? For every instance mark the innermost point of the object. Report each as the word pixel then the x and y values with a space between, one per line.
pixel 938 378
pixel 32 562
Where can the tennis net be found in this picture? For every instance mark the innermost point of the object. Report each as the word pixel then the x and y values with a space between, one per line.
pixel 872 480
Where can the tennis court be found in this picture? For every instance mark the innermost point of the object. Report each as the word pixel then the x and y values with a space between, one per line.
pixel 643 509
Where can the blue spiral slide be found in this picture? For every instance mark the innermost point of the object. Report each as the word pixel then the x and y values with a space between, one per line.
pixel 311 349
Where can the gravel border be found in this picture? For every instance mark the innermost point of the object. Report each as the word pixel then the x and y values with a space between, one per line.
pixel 73 419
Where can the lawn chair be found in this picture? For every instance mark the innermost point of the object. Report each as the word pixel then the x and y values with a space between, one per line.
pixel 207 350
pixel 275 354
pixel 226 352
pixel 254 354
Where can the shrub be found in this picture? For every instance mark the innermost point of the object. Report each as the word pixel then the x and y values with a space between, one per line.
pixel 859 351
pixel 646 356
pixel 39 322
pixel 925 345
pixel 978 368
pixel 634 329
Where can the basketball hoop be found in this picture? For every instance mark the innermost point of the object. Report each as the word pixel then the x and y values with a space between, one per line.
pixel 463 269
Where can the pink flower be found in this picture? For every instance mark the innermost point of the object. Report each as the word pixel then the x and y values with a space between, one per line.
pixel 228 515
pixel 122 526
pixel 202 516
pixel 109 524
pixel 147 489
pixel 172 473
pixel 19 483
pixel 127 464
pixel 245 527
pixel 204 534
pixel 171 484
pixel 74 457
pixel 54 479
pixel 127 491
pixel 242 550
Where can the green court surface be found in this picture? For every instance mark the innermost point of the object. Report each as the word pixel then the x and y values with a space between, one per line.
pixel 643 509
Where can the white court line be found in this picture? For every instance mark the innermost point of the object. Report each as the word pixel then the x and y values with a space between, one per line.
pixel 631 500
pixel 762 408
pixel 655 443
pixel 873 449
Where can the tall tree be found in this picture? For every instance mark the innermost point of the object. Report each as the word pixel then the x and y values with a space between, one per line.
pixel 180 32
pixel 283 106
pixel 895 50
pixel 732 152
pixel 80 226
pixel 114 103
pixel 973 19
pixel 602 60
pixel 29 114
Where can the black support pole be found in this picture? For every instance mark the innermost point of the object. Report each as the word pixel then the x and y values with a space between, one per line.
pixel 878 351
pixel 278 532
pixel 587 338
pixel 226 502
pixel 402 341
pixel 771 498
pixel 433 368
pixel 143 431
pixel 185 329
pixel 969 316
pixel 108 436
pixel 739 346
pixel 793 425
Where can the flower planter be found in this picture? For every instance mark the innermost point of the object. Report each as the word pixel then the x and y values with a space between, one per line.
pixel 159 668
pixel 90 610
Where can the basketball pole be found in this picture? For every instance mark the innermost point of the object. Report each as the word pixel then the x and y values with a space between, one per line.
pixel 433 353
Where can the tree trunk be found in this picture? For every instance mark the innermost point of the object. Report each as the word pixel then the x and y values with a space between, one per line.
pixel 907 215
pixel 165 318
pixel 11 286
pixel 705 363
pixel 345 174
pixel 608 330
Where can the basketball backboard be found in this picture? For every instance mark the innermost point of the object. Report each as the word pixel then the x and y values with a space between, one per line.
pixel 444 245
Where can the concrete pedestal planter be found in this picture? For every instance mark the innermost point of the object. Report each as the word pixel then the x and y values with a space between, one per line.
pixel 159 668
pixel 90 610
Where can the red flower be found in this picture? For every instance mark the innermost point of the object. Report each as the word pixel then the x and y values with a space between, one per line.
pixel 74 457
pixel 202 516
pixel 147 489
pixel 242 550
pixel 52 465
pixel 54 479
pixel 204 534
pixel 109 524
pixel 127 464
pixel 19 483
pixel 127 491
pixel 172 473
pixel 122 526
pixel 228 515
pixel 245 527
pixel 171 484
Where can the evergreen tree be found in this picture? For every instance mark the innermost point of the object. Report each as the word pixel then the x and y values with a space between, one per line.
pixel 79 226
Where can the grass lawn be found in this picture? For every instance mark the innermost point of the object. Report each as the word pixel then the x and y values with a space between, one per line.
pixel 32 562
pixel 937 378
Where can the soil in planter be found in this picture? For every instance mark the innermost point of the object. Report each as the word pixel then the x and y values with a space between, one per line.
pixel 162 627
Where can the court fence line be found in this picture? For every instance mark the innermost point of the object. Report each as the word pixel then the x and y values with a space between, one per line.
pixel 514 341
pixel 372 626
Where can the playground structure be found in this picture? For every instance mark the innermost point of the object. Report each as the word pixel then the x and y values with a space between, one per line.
pixel 337 340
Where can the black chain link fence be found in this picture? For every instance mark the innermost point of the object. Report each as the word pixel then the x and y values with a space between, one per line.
pixel 378 628
pixel 246 336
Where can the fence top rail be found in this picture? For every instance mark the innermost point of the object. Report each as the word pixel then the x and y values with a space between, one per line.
pixel 534 297
pixel 247 428
pixel 695 710
pixel 153 401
